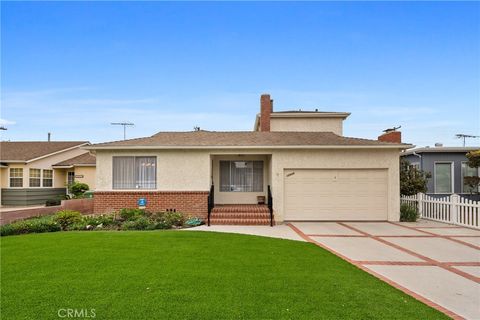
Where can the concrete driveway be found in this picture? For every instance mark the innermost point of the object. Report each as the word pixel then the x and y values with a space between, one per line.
pixel 437 263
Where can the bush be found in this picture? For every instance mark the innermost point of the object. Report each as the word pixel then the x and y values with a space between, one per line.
pixel 193 222
pixel 53 202
pixel 132 214
pixel 408 213
pixel 174 218
pixel 142 223
pixel 34 225
pixel 66 218
pixel 78 188
pixel 105 220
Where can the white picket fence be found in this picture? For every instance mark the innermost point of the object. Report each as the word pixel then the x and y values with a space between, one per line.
pixel 450 209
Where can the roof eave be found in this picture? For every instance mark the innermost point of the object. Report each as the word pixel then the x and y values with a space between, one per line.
pixel 139 147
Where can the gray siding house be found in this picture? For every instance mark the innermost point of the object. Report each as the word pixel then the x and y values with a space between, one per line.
pixel 448 166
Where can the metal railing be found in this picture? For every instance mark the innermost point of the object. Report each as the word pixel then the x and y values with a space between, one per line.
pixel 270 204
pixel 211 202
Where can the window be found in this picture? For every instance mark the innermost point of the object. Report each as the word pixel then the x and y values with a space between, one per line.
pixel 35 177
pixel 16 177
pixel 47 178
pixel 241 176
pixel 70 178
pixel 468 172
pixel 415 165
pixel 443 177
pixel 134 173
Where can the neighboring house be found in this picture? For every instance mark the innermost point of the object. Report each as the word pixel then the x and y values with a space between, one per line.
pixel 312 171
pixel 448 166
pixel 35 171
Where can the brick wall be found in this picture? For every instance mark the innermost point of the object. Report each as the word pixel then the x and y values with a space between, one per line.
pixel 85 206
pixel 394 136
pixel 193 203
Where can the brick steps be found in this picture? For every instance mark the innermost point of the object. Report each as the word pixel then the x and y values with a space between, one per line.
pixel 240 222
pixel 241 214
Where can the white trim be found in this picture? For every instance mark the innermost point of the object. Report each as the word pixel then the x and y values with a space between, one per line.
pixel 462 184
pixel 10 183
pixel 439 149
pixel 53 178
pixel 452 172
pixel 41 174
pixel 400 146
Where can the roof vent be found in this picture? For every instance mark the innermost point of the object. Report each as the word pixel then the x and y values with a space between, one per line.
pixel 438 145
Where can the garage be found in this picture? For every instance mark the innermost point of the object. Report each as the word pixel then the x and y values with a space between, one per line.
pixel 336 194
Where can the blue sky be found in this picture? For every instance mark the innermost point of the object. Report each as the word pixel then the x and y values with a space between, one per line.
pixel 72 68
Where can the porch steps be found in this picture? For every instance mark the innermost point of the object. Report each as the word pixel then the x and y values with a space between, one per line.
pixel 239 214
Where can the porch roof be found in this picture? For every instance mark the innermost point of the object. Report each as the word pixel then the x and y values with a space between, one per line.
pixel 244 139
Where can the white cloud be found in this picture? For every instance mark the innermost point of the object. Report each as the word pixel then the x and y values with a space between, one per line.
pixel 5 122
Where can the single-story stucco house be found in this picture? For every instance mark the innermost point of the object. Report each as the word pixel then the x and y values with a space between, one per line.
pixel 298 163
pixel 448 167
pixel 32 172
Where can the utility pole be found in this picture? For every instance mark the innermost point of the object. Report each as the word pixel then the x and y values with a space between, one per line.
pixel 464 136
pixel 124 124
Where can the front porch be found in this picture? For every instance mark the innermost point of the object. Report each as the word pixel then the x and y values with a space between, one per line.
pixel 240 192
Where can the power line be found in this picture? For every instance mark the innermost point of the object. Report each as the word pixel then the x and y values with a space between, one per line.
pixel 124 124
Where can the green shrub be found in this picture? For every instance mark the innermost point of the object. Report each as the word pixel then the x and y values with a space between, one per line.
pixel 174 218
pixel 67 218
pixel 408 213
pixel 34 225
pixel 82 225
pixel 105 220
pixel 142 223
pixel 193 222
pixel 78 188
pixel 52 202
pixel 131 214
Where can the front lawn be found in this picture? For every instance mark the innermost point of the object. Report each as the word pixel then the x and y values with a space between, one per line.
pixel 189 275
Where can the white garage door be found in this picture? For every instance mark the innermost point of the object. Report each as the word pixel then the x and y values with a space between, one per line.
pixel 343 194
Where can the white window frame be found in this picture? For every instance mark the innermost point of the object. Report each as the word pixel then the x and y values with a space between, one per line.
pixel 73 177
pixel 53 178
pixel 135 157
pixel 41 177
pixel 10 181
pixel 452 180
pixel 461 173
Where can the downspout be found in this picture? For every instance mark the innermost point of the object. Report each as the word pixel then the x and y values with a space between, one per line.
pixel 421 159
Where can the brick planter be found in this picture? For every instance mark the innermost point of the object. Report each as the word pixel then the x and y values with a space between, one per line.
pixel 193 203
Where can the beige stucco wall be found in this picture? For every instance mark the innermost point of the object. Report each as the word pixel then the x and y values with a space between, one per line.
pixel 238 197
pixel 88 174
pixel 334 125
pixel 337 159
pixel 45 163
pixel 177 170
pixel 181 170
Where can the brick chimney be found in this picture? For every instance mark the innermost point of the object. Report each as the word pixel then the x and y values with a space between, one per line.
pixel 266 108
pixel 391 136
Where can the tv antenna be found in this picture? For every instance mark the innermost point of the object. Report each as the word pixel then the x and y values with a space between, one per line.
pixel 465 136
pixel 124 124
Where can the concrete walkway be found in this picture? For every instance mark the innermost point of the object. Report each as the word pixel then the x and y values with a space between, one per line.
pixel 436 263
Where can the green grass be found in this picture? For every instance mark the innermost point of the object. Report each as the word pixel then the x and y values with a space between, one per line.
pixel 189 275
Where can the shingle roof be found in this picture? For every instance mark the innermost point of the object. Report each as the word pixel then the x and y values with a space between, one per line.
pixel 28 150
pixel 83 159
pixel 241 139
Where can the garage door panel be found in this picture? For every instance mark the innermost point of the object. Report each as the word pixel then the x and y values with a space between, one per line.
pixel 340 194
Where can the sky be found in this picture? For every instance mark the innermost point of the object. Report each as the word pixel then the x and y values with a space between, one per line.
pixel 72 68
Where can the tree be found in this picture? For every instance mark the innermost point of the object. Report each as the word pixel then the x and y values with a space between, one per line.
pixel 412 180
pixel 473 182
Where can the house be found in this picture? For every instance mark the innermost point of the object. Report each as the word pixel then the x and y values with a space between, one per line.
pixel 35 171
pixel 447 165
pixel 296 162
